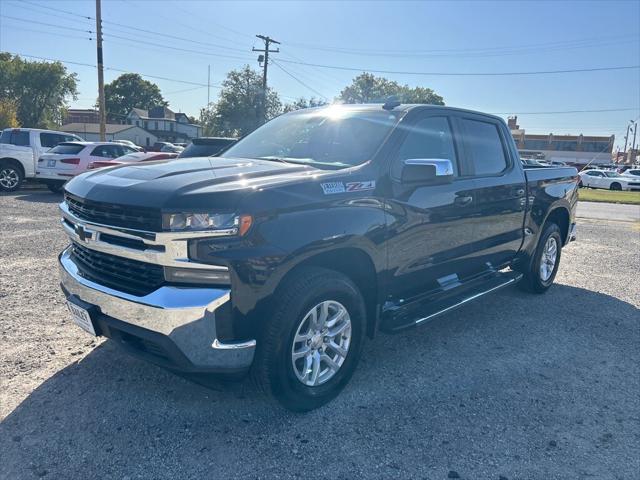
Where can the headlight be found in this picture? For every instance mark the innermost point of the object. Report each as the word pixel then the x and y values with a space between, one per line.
pixel 225 223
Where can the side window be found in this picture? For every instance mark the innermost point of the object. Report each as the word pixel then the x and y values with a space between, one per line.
pixel 105 151
pixel 484 145
pixel 48 140
pixel 19 138
pixel 430 137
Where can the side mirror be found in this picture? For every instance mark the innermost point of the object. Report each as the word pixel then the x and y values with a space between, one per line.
pixel 427 170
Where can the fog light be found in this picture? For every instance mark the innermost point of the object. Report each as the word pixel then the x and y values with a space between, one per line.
pixel 198 275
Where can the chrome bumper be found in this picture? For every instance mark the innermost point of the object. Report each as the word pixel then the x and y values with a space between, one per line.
pixel 184 315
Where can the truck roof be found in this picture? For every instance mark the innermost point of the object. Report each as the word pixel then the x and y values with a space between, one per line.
pixel 403 107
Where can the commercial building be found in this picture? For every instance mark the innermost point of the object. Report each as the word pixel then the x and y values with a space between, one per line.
pixel 91 133
pixel 165 124
pixel 570 149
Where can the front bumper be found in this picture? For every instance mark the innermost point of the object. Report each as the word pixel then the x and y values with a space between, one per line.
pixel 174 327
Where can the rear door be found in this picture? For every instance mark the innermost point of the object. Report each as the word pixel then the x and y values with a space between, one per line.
pixel 499 192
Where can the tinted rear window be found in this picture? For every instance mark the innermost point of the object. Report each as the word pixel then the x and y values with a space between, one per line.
pixel 67 149
pixel 483 143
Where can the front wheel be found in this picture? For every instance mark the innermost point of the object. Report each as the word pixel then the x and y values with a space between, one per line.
pixel 544 266
pixel 310 345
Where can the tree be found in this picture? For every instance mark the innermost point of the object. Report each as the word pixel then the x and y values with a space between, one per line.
pixel 302 102
pixel 38 90
pixel 8 117
pixel 367 88
pixel 237 111
pixel 129 91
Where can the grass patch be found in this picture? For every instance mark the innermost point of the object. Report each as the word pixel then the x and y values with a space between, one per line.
pixel 611 196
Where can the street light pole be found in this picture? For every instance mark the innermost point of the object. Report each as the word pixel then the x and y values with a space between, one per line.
pixel 101 102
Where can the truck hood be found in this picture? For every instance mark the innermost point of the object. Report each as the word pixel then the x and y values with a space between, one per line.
pixel 184 184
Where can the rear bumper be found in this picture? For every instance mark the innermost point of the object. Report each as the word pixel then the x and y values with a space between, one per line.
pixel 43 174
pixel 173 327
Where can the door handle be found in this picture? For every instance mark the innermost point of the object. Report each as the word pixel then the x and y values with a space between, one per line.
pixel 463 201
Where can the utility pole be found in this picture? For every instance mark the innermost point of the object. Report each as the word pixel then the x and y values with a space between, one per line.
pixel 633 145
pixel 208 85
pixel 626 137
pixel 267 41
pixel 102 108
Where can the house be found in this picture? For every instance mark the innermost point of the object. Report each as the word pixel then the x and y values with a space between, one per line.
pixel 165 124
pixel 91 133
pixel 81 115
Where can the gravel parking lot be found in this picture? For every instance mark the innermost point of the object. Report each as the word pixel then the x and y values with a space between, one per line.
pixel 514 386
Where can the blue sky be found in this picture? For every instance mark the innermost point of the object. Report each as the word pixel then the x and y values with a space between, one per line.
pixel 454 36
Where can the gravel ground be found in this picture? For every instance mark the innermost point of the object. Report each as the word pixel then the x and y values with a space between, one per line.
pixel 515 386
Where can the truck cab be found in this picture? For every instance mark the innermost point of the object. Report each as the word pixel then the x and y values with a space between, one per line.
pixel 20 149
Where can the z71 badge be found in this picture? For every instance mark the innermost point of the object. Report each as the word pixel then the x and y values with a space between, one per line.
pixel 340 187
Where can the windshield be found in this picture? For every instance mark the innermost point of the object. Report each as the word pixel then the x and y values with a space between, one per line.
pixel 67 149
pixel 327 137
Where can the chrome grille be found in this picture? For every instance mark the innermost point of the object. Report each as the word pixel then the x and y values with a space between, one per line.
pixel 124 274
pixel 115 215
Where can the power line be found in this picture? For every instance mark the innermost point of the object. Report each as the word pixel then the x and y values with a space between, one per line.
pixel 169 47
pixel 568 111
pixel 48 14
pixel 166 35
pixel 464 74
pixel 26 20
pixel 299 81
pixel 56 9
pixel 55 34
pixel 454 51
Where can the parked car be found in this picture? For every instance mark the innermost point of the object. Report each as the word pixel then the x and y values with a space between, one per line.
pixel 157 146
pixel 632 172
pixel 171 148
pixel 133 158
pixel 530 162
pixel 129 143
pixel 69 159
pixel 609 179
pixel 206 146
pixel 20 149
pixel 321 227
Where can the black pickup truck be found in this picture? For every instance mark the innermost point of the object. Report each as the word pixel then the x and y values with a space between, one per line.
pixel 320 228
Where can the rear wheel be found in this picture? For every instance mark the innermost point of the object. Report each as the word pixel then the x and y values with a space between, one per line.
pixel 11 176
pixel 310 345
pixel 615 186
pixel 544 266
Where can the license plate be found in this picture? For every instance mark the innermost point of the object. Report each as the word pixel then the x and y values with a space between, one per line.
pixel 51 163
pixel 81 318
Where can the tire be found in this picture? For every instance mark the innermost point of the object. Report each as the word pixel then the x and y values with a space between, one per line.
pixel 537 280
pixel 274 370
pixel 580 184
pixel 55 187
pixel 615 186
pixel 11 176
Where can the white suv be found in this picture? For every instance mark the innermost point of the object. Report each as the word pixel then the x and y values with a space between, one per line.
pixel 20 149
pixel 69 159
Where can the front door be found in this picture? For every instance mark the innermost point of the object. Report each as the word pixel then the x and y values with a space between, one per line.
pixel 430 226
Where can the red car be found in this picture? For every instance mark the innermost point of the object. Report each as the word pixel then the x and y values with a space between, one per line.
pixel 133 158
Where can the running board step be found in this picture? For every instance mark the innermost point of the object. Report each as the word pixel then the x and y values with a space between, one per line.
pixel 417 314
